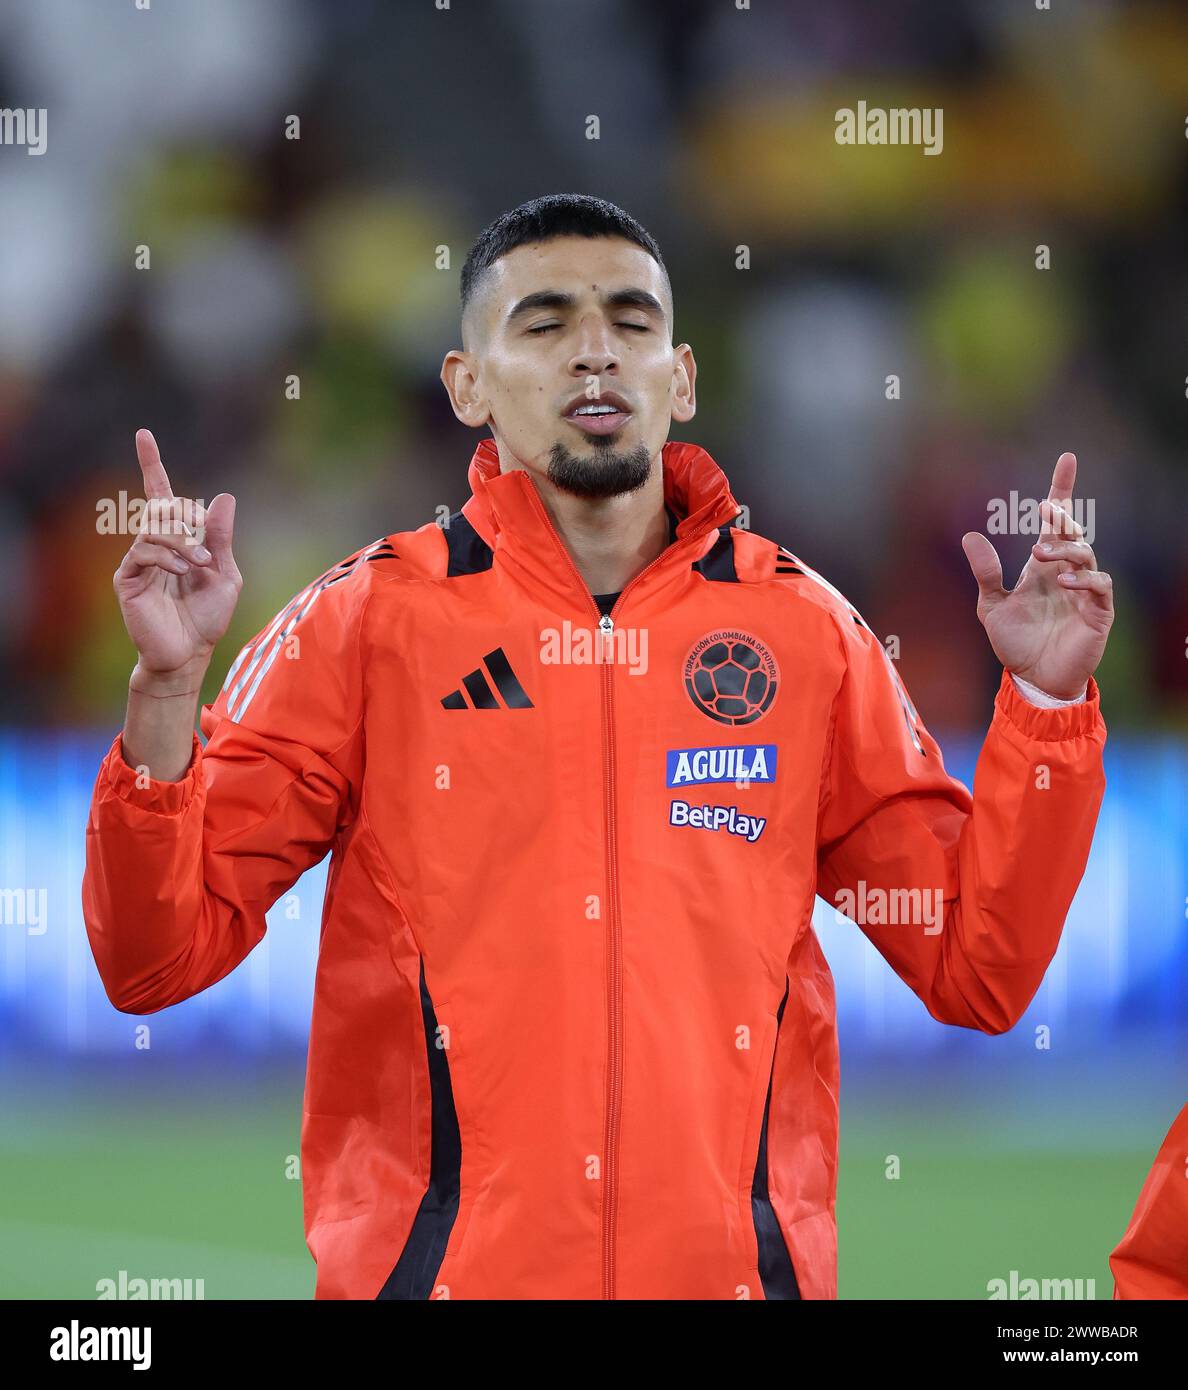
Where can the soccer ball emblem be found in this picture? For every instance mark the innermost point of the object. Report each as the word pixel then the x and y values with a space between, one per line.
pixel 731 677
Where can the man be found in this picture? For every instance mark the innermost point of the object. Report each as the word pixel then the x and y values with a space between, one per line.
pixel 582 758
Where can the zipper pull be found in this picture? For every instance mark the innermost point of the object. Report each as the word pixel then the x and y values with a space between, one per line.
pixel 606 629
pixel 606 624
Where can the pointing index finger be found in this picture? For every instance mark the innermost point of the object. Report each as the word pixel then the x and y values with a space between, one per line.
pixel 152 470
pixel 1064 475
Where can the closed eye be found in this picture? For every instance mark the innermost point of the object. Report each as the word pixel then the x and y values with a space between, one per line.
pixel 548 327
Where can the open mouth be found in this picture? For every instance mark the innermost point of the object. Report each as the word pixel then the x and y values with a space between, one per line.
pixel 603 416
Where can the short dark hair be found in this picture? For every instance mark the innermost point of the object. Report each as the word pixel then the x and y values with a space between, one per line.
pixel 543 219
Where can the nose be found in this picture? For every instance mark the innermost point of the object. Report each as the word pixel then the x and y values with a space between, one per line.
pixel 595 349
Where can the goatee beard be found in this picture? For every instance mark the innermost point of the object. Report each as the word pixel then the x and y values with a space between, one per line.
pixel 607 472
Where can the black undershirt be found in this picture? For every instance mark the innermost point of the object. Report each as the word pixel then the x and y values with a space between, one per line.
pixel 606 602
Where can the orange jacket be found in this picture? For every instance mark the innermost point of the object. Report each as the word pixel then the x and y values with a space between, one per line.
pixel 573 1034
pixel 1151 1259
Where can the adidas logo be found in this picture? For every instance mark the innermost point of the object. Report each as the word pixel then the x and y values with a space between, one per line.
pixel 478 686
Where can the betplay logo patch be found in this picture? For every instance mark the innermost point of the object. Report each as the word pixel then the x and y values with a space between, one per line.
pixel 728 818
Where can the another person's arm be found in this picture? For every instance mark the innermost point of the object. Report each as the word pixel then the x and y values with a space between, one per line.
pixel 1151 1259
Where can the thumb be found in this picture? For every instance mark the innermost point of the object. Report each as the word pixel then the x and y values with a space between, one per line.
pixel 218 524
pixel 983 561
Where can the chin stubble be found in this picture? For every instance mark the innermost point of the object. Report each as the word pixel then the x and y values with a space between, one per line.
pixel 607 472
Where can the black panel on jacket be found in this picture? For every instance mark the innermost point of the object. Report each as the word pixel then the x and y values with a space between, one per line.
pixel 718 562
pixel 469 553
pixel 775 1264
pixel 424 1250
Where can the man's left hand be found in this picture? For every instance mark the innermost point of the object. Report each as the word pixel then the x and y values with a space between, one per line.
pixel 1051 628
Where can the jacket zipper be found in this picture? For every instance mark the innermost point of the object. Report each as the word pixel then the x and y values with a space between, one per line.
pixel 610 1148
pixel 614 1097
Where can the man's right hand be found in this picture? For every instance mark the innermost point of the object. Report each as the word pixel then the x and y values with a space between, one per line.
pixel 176 595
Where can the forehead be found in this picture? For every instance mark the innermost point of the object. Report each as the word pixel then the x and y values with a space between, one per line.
pixel 583 266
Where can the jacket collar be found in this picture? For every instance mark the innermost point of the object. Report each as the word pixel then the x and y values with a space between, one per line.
pixel 508 513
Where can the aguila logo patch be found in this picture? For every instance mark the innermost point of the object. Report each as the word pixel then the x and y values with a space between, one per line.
pixel 731 676
pixel 744 762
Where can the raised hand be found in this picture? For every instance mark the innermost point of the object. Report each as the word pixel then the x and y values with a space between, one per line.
pixel 176 595
pixel 1051 628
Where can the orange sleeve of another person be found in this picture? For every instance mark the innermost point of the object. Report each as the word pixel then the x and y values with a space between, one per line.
pixel 1151 1259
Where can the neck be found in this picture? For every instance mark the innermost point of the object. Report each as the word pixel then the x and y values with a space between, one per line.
pixel 611 539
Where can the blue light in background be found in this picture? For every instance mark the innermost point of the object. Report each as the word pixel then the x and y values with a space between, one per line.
pixel 1122 966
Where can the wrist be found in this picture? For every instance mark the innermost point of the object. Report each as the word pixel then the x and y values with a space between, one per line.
pixel 1038 695
pixel 185 681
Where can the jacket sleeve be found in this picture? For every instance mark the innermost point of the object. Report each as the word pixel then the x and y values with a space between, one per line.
pixel 179 875
pixel 965 897
pixel 1151 1259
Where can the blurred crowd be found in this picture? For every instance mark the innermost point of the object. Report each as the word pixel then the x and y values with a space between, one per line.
pixel 176 257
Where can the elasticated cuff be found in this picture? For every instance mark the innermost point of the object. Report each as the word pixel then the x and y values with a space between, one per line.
pixel 162 798
pixel 1065 721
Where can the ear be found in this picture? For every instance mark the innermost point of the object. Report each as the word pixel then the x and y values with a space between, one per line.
pixel 684 381
pixel 461 384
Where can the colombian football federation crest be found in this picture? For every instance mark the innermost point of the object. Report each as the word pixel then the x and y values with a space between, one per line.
pixel 731 676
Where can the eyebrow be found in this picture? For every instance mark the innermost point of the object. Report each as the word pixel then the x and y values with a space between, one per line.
pixel 560 299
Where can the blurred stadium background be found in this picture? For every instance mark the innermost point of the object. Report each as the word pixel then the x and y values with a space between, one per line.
pixel 317 256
